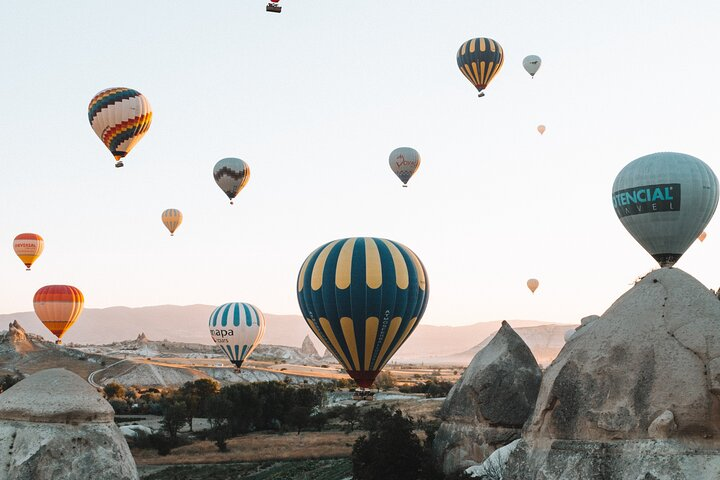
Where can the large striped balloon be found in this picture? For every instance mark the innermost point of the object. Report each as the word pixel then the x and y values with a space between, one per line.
pixel 231 175
pixel 363 297
pixel 120 117
pixel 28 246
pixel 480 59
pixel 237 329
pixel 172 218
pixel 58 307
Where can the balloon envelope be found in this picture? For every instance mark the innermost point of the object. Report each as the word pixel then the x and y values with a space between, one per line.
pixel 541 129
pixel 172 218
pixel 58 307
pixel 533 284
pixel 231 175
pixel 404 162
pixel 362 297
pixel 120 117
pixel 532 63
pixel 665 200
pixel 28 247
pixel 237 328
pixel 480 59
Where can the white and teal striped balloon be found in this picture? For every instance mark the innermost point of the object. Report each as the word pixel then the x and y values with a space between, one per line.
pixel 237 329
pixel 665 200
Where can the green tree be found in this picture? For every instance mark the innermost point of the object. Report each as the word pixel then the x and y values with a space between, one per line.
pixel 8 381
pixel 350 415
pixel 392 451
pixel 384 381
pixel 299 417
pixel 195 395
pixel 114 390
pixel 174 418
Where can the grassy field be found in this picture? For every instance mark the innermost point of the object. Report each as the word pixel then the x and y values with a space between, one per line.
pixel 327 469
pixel 257 447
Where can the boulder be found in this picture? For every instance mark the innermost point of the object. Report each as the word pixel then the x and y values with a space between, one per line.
pixel 632 395
pixel 490 403
pixel 308 348
pixel 54 425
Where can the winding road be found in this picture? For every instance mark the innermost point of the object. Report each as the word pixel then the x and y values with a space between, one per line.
pixel 91 377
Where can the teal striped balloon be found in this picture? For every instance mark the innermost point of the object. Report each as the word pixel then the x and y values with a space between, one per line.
pixel 363 297
pixel 237 329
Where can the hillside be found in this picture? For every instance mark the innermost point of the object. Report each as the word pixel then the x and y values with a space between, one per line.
pixel 188 324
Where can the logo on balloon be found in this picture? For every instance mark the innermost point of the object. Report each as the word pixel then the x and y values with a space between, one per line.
pixel 647 199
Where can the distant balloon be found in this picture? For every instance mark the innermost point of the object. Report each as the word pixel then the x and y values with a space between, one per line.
pixel 404 162
pixel 362 297
pixel 480 59
pixel 231 175
pixel 532 64
pixel 702 236
pixel 533 284
pixel 541 129
pixel 172 218
pixel 237 328
pixel 28 246
pixel 665 200
pixel 58 307
pixel 120 117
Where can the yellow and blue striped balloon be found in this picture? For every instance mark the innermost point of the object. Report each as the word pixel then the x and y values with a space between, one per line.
pixel 480 59
pixel 363 297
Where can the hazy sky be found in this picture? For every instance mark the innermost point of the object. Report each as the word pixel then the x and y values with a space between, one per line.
pixel 314 99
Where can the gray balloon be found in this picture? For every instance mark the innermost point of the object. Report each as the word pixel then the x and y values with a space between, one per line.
pixel 665 200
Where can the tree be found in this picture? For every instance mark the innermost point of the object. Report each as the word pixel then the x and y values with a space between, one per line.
pixel 8 381
pixel 195 395
pixel 350 415
pixel 114 390
pixel 318 421
pixel 299 417
pixel 392 451
pixel 217 413
pixel 384 381
pixel 174 418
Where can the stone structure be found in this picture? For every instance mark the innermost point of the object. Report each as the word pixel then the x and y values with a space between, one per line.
pixel 308 348
pixel 635 394
pixel 488 406
pixel 55 426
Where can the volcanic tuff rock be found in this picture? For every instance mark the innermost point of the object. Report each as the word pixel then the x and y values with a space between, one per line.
pixel 54 425
pixel 634 394
pixel 308 348
pixel 489 404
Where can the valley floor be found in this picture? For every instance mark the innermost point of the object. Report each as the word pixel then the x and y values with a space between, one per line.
pixel 325 469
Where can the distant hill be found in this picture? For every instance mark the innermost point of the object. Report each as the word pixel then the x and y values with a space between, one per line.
pixel 545 341
pixel 188 324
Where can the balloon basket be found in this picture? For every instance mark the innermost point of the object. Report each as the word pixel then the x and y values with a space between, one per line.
pixel 119 164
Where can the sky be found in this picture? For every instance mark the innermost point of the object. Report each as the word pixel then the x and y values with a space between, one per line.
pixel 314 100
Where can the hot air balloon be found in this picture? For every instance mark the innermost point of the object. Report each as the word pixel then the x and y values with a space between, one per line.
pixel 480 59
pixel 172 218
pixel 533 284
pixel 404 162
pixel 665 200
pixel 28 246
pixel 702 236
pixel 231 175
pixel 57 307
pixel 541 129
pixel 237 329
pixel 532 63
pixel 362 297
pixel 120 117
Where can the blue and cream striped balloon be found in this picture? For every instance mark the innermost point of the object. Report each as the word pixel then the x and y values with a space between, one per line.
pixel 237 329
pixel 362 297
pixel 480 59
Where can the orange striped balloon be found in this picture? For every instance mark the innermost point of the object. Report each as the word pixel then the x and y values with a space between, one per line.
pixel 58 306
pixel 28 246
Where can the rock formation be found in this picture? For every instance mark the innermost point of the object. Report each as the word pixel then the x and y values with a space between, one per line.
pixel 635 394
pixel 308 348
pixel 55 426
pixel 490 403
